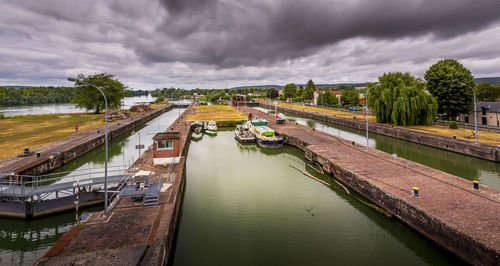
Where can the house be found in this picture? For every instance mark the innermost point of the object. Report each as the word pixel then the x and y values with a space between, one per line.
pixel 166 148
pixel 317 94
pixel 487 114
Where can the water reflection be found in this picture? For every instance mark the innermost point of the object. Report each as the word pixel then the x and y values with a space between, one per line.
pixel 246 205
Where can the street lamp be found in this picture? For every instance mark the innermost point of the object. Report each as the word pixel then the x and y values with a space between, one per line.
pixel 475 110
pixel 105 142
pixel 366 112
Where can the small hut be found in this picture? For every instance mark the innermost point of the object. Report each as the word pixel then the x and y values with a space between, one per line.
pixel 238 100
pixel 166 148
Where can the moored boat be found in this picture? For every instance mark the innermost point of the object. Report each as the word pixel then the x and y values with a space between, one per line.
pixel 211 133
pixel 211 125
pixel 243 135
pixel 265 136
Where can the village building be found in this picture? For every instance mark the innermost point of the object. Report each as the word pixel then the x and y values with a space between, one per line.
pixel 487 114
pixel 166 148
pixel 317 93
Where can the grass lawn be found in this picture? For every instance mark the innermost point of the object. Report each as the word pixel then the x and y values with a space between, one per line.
pixel 320 110
pixel 461 133
pixel 34 131
pixel 218 113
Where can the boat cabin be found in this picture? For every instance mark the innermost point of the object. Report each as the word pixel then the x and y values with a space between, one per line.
pixel 166 148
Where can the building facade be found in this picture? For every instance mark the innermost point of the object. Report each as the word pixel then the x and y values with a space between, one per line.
pixel 487 114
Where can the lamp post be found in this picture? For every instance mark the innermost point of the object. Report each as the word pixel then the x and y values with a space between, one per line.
pixel 475 110
pixel 366 114
pixel 105 142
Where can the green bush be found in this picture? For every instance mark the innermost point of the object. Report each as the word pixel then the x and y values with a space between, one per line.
pixel 159 99
pixel 2 116
pixel 453 125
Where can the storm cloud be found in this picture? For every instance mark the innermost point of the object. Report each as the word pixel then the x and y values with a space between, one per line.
pixel 208 43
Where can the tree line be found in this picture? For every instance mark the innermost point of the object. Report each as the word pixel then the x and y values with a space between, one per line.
pixel 35 95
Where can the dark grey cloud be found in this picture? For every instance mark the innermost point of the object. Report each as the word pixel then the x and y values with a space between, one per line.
pixel 210 43
pixel 225 34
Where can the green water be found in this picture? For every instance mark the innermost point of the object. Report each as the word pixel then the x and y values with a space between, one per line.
pixel 246 206
pixel 23 242
pixel 487 172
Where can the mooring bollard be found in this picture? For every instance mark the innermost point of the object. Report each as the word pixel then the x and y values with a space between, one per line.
pixel 415 192
pixel 476 184
pixel 38 154
pixel 353 143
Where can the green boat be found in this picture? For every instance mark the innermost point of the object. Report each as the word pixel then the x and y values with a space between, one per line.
pixel 211 133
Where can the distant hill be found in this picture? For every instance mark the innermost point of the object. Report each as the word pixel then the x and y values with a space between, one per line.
pixel 335 85
pixel 492 80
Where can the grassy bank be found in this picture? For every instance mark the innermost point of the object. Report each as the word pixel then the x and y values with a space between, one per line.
pixel 223 115
pixel 35 131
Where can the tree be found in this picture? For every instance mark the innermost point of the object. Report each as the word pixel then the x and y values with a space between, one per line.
pixel 448 81
pixel 290 90
pixel 308 92
pixel 401 99
pixel 346 88
pixel 3 92
pixel 486 92
pixel 273 93
pixel 349 98
pixel 90 98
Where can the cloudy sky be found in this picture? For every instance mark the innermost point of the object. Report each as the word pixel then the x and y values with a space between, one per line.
pixel 225 43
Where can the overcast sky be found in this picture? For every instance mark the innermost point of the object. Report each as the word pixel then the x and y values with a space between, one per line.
pixel 226 43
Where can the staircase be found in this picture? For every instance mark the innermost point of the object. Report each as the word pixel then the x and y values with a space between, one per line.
pixel 151 200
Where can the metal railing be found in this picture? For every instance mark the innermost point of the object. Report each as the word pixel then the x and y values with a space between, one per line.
pixel 17 184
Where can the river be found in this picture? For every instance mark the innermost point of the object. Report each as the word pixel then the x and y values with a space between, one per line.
pixel 244 205
pixel 64 108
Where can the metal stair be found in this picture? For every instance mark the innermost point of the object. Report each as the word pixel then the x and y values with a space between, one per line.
pixel 151 200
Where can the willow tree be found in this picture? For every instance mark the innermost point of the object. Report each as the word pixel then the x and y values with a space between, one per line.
pixel 401 100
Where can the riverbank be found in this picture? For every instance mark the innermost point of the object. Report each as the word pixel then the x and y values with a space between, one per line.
pixel 448 211
pixel 59 152
pixel 481 150
pixel 491 138
pixel 131 234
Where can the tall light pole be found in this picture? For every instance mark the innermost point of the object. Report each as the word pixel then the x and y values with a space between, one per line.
pixel 105 141
pixel 475 110
pixel 366 113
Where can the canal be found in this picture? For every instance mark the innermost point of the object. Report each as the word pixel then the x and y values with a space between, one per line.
pixel 23 242
pixel 244 205
pixel 467 167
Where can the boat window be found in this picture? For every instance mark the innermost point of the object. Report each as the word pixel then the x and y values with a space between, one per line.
pixel 165 145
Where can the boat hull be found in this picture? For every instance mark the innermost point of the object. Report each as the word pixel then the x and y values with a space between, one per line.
pixel 244 140
pixel 272 144
pixel 211 133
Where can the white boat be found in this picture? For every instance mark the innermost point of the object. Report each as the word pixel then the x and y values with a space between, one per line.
pixel 211 125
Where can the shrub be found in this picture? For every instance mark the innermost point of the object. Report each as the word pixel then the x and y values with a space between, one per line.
pixel 453 125
pixel 2 116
